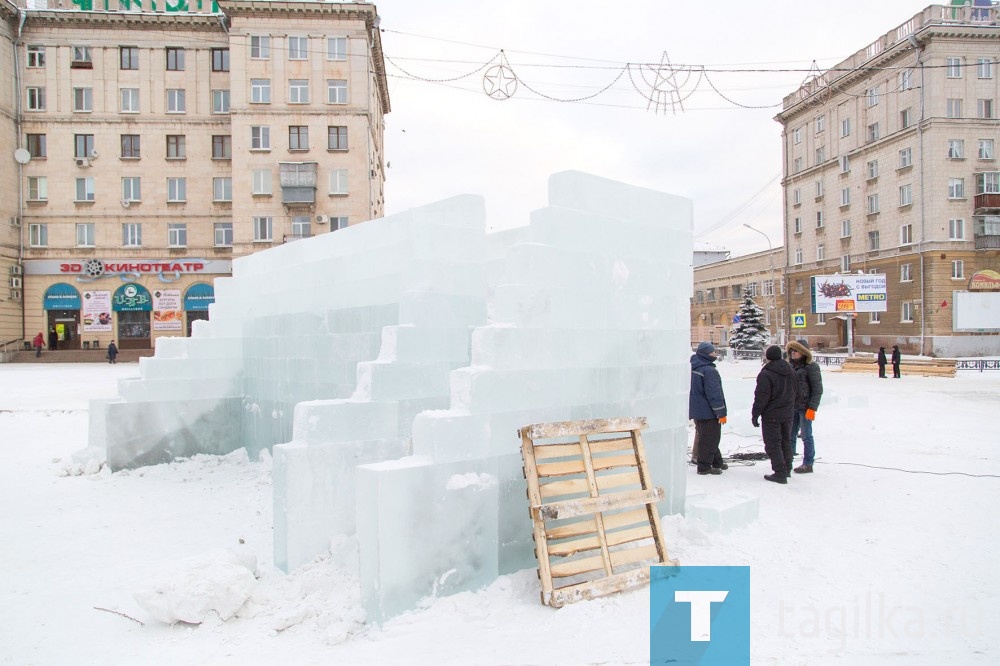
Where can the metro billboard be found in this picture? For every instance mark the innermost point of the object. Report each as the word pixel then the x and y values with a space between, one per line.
pixel 849 293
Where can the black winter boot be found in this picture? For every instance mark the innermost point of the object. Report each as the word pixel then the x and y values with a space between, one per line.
pixel 777 478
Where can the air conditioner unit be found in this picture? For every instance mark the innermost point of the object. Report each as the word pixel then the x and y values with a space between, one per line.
pixel 15 283
pixel 15 294
pixel 15 269
pixel 322 219
pixel 82 162
pixel 94 154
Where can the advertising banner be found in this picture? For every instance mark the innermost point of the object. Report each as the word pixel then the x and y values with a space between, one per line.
pixel 96 311
pixel 167 313
pixel 832 294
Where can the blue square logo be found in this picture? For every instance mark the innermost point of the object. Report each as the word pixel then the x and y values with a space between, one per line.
pixel 699 615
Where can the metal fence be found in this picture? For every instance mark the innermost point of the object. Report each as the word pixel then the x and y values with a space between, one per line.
pixel 977 364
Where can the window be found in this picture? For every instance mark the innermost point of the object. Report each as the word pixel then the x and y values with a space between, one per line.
pixel 796 195
pixel 953 68
pixel 260 47
pixel 83 145
pixel 737 290
pixel 85 189
pixel 821 318
pixel 905 195
pixel 175 59
pixel 872 97
pixel 262 228
pixel 906 273
pixel 336 48
pixel 220 60
pixel 797 165
pixel 130 146
pixel 260 137
pixel 177 235
pixel 954 109
pixel 798 256
pixel 797 225
pixel 956 188
pixel 845 228
pixel 752 289
pixel 845 264
pixel 130 100
pixel 36 56
pixel 176 147
pixel 176 189
pixel 956 149
pixel 301 227
pixel 873 204
pixel 222 147
pixel 957 269
pixel 223 234
pixel 36 98
pixel 128 57
pixel 38 235
pixel 336 91
pixel 175 101
pixel 81 58
pixel 873 240
pixel 38 188
pixel 819 189
pixel 820 252
pixel 956 229
pixel 845 127
pixel 845 197
pixel 36 145
pixel 298 48
pixel 798 287
pixel 797 135
pixel 131 188
pixel 906 79
pixel 905 158
pixel 220 101
pixel 336 138
pixel 298 137
pixel 874 317
pixel 83 100
pixel 872 169
pixel 298 91
pixel 338 182
pixel 131 234
pixel 905 118
pixel 767 287
pixel 260 91
pixel 906 234
pixel 984 68
pixel 845 164
pixel 222 189
pixel 820 154
pixel 820 124
pixel 819 219
pixel 986 149
pixel 85 236
pixel 906 312
pixel 873 132
pixel 262 181
pixel 988 182
pixel 984 108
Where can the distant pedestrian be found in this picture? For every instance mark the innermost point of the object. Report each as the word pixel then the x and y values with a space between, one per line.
pixel 896 358
pixel 774 403
pixel 37 343
pixel 112 352
pixel 808 393
pixel 707 407
pixel 53 339
pixel 881 362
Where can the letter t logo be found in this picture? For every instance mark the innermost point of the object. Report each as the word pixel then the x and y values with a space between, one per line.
pixel 701 610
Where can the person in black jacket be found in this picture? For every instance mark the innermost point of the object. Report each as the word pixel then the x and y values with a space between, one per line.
pixel 881 360
pixel 896 358
pixel 774 402
pixel 707 407
pixel 808 393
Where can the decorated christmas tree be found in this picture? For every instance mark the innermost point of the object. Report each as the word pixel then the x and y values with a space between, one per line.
pixel 748 331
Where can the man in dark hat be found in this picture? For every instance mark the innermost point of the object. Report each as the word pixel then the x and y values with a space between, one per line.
pixel 707 407
pixel 809 391
pixel 773 403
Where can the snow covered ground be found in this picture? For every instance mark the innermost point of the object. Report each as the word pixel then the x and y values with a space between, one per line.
pixel 884 555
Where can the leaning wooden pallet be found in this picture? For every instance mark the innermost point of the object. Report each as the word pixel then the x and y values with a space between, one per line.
pixel 593 507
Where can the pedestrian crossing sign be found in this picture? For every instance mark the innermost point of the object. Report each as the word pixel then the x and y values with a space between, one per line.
pixel 798 321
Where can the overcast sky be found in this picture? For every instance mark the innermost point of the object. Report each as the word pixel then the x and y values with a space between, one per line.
pixel 450 138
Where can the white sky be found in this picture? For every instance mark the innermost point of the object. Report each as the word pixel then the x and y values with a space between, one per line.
pixel 444 139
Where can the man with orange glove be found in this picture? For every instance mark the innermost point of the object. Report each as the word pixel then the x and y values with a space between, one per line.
pixel 810 390
pixel 707 407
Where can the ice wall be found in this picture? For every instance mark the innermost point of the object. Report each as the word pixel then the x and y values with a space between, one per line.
pixel 390 364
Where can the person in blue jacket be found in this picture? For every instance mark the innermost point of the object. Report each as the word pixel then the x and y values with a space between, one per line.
pixel 707 407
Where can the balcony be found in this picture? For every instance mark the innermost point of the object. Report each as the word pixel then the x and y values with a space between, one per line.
pixel 987 203
pixel 298 183
pixel 986 231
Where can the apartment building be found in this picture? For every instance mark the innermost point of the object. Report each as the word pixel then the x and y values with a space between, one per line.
pixel 160 142
pixel 891 168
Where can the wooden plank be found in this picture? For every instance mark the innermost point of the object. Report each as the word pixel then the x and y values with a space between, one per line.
pixel 576 428
pixel 651 509
pixel 549 451
pixel 585 505
pixel 561 468
pixel 568 594
pixel 588 564
pixel 594 492
pixel 538 527
pixel 577 486
pixel 609 462
pixel 573 546
pixel 586 526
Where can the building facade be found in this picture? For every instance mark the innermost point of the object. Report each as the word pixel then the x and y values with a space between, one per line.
pixel 891 168
pixel 719 289
pixel 160 143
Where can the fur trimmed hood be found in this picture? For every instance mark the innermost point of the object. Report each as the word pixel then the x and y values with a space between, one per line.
pixel 807 354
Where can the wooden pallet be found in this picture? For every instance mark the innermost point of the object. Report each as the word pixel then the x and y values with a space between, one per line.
pixel 593 506
pixel 930 367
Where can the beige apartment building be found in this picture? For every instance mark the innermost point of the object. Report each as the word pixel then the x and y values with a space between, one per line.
pixel 891 168
pixel 157 143
pixel 719 289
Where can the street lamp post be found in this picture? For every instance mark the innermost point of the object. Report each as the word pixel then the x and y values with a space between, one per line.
pixel 770 258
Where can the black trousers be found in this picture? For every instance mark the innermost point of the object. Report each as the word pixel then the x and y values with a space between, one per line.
pixel 708 432
pixel 778 444
pixel 895 370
